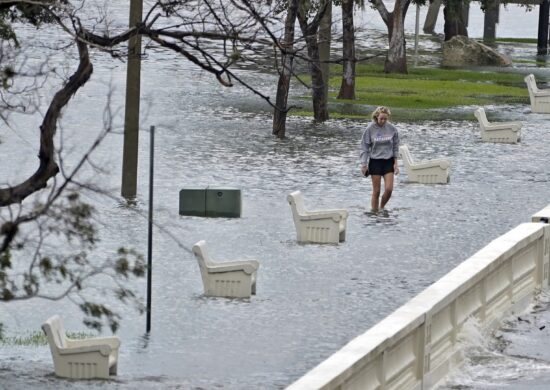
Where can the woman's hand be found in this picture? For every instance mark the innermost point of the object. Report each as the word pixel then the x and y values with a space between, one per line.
pixel 364 169
pixel 395 169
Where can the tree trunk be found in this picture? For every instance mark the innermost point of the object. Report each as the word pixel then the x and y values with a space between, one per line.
pixel 310 31
pixel 454 20
pixel 542 36
pixel 319 99
pixel 431 17
pixel 347 88
pixel 325 32
pixel 279 114
pixel 396 60
pixel 490 21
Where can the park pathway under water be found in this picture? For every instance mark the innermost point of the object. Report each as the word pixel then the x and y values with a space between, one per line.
pixel 311 299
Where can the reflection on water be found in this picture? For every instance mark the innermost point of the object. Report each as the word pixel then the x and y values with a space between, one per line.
pixel 385 216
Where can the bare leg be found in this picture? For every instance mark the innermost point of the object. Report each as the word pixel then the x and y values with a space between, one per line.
pixel 388 189
pixel 376 182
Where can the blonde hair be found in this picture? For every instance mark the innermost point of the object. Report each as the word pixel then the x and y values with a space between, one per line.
pixel 380 110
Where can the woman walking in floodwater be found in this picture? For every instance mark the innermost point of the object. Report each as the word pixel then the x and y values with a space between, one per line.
pixel 379 151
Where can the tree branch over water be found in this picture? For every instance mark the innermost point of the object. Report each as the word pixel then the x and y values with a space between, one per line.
pixel 48 168
pixel 45 207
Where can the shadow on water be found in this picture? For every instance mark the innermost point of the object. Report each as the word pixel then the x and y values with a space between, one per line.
pixel 145 339
pixel 387 216
pixel 130 203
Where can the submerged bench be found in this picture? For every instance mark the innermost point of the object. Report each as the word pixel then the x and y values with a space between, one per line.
pixel 232 279
pixel 317 226
pixel 505 132
pixel 80 359
pixel 540 98
pixel 436 171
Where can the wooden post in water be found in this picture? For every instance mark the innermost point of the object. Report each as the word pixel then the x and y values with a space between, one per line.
pixel 542 40
pixel 131 117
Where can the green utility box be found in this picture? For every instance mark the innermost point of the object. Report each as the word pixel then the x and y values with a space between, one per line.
pixel 223 202
pixel 193 202
pixel 211 202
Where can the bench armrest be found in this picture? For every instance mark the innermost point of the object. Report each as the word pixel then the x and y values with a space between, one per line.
pixel 335 214
pixel 113 342
pixel 443 164
pixel 513 126
pixel 247 266
pixel 105 350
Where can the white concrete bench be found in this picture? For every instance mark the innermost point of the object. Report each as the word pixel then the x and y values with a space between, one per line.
pixel 435 171
pixel 318 226
pixel 540 98
pixel 80 359
pixel 232 279
pixel 506 132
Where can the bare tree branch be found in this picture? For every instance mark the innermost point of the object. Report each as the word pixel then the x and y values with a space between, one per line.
pixel 48 168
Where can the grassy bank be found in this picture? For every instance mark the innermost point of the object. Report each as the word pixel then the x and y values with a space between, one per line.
pixel 516 40
pixel 37 338
pixel 423 93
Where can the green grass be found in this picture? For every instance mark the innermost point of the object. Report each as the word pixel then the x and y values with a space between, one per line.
pixel 536 62
pixel 441 74
pixel 517 40
pixel 37 338
pixel 428 93
pixel 413 95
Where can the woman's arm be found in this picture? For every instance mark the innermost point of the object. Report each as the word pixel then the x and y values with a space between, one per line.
pixel 395 151
pixel 365 150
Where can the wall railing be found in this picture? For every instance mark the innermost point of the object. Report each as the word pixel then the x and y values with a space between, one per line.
pixel 417 345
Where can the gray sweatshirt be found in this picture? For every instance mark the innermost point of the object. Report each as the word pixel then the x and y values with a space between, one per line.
pixel 379 142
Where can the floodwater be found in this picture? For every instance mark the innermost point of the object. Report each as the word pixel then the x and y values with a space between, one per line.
pixel 514 357
pixel 311 299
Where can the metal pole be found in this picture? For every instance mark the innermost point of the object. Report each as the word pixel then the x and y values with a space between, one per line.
pixel 131 115
pixel 150 227
pixel 416 31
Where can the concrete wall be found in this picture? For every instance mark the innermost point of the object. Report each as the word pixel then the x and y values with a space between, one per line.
pixel 415 346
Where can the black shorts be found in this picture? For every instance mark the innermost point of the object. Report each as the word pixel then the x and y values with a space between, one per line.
pixel 380 166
